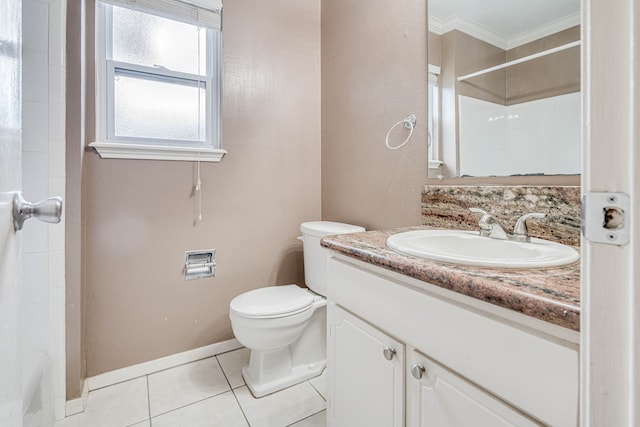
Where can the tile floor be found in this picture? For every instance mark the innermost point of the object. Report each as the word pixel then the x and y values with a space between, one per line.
pixel 209 392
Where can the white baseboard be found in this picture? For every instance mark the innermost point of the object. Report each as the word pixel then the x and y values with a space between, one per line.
pixel 146 368
pixel 75 406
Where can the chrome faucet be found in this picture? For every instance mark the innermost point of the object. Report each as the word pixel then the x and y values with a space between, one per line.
pixel 491 227
pixel 520 230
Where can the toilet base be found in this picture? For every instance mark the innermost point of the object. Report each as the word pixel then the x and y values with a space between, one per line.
pixel 298 374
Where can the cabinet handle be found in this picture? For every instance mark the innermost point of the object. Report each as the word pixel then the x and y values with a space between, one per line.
pixel 417 371
pixel 388 353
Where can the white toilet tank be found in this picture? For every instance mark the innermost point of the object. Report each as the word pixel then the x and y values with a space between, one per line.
pixel 315 256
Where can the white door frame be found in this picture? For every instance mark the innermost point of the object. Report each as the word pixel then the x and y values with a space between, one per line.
pixel 610 356
pixel 10 181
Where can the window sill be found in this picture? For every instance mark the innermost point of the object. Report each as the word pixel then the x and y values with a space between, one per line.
pixel 113 150
pixel 435 164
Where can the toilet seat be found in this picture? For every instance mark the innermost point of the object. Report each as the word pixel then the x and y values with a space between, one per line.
pixel 272 302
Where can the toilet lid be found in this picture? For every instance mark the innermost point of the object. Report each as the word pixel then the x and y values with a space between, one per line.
pixel 273 301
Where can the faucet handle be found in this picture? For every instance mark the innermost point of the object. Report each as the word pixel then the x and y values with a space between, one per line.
pixel 480 211
pixel 485 223
pixel 520 230
pixel 485 217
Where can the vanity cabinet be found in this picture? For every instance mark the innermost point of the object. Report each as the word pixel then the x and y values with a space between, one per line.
pixel 370 367
pixel 404 352
pixel 438 397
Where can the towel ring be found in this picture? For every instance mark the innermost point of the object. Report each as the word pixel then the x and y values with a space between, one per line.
pixel 409 123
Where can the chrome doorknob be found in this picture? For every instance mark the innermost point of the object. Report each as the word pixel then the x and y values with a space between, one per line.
pixel 47 210
pixel 388 353
pixel 417 371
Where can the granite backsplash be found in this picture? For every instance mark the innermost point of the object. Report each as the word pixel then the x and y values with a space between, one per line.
pixel 448 207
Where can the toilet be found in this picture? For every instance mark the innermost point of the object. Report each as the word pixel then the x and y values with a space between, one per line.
pixel 285 326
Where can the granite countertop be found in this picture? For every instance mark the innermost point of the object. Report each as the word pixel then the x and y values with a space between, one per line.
pixel 549 294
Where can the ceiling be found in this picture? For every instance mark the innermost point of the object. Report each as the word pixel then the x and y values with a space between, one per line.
pixel 507 23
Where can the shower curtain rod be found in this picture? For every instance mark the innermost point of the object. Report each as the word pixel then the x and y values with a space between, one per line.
pixel 520 60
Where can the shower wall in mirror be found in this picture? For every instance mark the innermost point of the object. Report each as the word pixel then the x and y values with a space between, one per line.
pixel 509 86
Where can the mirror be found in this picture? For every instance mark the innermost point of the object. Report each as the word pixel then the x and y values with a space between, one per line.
pixel 504 87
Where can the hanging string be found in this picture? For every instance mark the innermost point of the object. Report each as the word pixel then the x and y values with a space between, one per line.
pixel 198 187
pixel 199 192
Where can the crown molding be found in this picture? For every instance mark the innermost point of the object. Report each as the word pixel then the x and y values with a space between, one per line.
pixel 480 32
pixel 544 30
pixel 469 27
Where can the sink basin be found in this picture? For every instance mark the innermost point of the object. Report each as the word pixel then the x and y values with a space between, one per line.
pixel 468 248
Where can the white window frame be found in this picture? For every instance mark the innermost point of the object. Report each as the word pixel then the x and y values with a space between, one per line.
pixel 108 145
pixel 433 119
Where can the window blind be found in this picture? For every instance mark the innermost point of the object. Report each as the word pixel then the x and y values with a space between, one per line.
pixel 196 12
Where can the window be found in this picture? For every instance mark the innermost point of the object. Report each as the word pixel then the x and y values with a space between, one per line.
pixel 158 80
pixel 433 128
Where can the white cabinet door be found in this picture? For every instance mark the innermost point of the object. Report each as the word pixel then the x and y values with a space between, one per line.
pixel 437 397
pixel 366 383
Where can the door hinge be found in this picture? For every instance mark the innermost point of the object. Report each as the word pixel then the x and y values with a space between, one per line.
pixel 604 218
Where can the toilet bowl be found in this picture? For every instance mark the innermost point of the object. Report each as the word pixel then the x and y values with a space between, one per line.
pixel 285 326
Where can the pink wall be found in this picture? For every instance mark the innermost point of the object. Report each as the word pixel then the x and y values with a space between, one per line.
pixel 373 74
pixel 139 217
